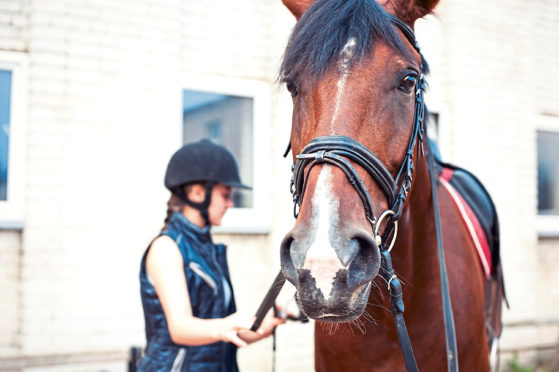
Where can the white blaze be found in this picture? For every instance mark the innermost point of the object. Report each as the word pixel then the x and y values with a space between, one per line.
pixel 343 69
pixel 321 259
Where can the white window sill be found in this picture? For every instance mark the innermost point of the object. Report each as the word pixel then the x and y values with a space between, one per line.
pixel 244 221
pixel 241 230
pixel 547 226
pixel 11 225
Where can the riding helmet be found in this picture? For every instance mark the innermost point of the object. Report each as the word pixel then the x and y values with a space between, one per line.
pixel 202 161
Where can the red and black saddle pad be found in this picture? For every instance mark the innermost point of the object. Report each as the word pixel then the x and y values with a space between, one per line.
pixel 480 217
pixel 477 211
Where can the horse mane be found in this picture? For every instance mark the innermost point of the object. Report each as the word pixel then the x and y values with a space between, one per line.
pixel 324 29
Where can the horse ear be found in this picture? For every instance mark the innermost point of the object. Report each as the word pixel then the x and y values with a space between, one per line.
pixel 411 10
pixel 298 7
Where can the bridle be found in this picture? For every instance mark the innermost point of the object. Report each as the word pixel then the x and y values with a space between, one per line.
pixel 336 150
pixel 341 151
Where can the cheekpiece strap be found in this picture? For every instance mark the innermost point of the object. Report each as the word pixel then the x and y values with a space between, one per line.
pixel 406 30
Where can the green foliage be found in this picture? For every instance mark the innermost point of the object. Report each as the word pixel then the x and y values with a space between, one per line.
pixel 514 366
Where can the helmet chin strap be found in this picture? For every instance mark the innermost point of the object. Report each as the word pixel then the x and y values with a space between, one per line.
pixel 202 207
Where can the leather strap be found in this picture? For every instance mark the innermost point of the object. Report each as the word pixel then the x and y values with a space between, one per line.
pixel 350 148
pixel 450 333
pixel 406 30
pixel 397 305
pixel 202 206
pixel 335 150
pixel 268 301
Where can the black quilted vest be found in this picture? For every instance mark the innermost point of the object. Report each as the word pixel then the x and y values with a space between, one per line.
pixel 205 269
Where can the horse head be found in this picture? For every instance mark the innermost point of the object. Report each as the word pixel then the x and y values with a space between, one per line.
pixel 355 76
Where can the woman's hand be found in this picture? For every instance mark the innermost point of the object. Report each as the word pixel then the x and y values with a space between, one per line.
pixel 269 323
pixel 230 327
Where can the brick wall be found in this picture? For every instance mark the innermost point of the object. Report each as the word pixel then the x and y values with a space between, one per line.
pixel 99 113
pixel 543 42
pixel 497 80
pixel 13 28
pixel 14 24
pixel 10 293
pixel 104 93
pixel 491 116
pixel 103 97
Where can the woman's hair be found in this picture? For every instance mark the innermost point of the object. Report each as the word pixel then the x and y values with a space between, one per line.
pixel 176 204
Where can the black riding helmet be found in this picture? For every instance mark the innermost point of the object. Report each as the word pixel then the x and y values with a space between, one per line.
pixel 204 162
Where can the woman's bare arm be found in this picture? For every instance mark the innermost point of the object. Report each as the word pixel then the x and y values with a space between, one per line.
pixel 164 265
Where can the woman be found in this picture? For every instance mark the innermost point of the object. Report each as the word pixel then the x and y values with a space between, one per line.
pixel 189 308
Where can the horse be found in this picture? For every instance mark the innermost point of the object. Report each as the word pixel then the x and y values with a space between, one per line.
pixel 362 187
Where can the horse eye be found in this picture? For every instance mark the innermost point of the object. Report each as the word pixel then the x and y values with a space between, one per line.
pixel 291 87
pixel 407 84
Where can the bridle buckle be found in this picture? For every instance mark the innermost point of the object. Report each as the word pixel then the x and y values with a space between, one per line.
pixel 378 237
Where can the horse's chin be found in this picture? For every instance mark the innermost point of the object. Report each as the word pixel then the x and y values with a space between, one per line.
pixel 351 310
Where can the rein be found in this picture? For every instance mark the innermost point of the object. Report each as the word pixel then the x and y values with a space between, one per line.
pixel 338 151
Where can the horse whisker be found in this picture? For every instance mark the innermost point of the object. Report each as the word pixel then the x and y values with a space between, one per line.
pixel 379 290
pixel 368 317
pixel 378 305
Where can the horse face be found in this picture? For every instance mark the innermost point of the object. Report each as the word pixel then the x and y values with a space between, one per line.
pixel 367 94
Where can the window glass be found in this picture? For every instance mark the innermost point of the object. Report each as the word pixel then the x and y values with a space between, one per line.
pixel 433 126
pixel 228 121
pixel 5 101
pixel 548 173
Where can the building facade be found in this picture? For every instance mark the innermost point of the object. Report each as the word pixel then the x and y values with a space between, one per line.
pixel 96 95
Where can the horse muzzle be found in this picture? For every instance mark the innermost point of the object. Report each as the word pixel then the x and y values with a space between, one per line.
pixel 332 275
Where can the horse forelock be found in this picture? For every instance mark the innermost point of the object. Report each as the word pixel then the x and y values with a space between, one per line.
pixel 324 30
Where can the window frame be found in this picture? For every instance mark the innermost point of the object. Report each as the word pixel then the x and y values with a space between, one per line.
pixel 12 209
pixel 547 226
pixel 255 220
pixel 443 128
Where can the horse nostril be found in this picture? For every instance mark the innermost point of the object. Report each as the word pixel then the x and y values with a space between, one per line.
pixel 287 263
pixel 350 251
pixel 285 248
pixel 365 260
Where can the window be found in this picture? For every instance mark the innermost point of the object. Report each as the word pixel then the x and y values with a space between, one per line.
pixel 214 130
pixel 429 32
pixel 548 179
pixel 12 110
pixel 235 114
pixel 227 120
pixel 5 100
pixel 438 131
pixel 548 173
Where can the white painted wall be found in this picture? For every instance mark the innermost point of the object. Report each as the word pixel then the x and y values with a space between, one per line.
pixel 104 115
